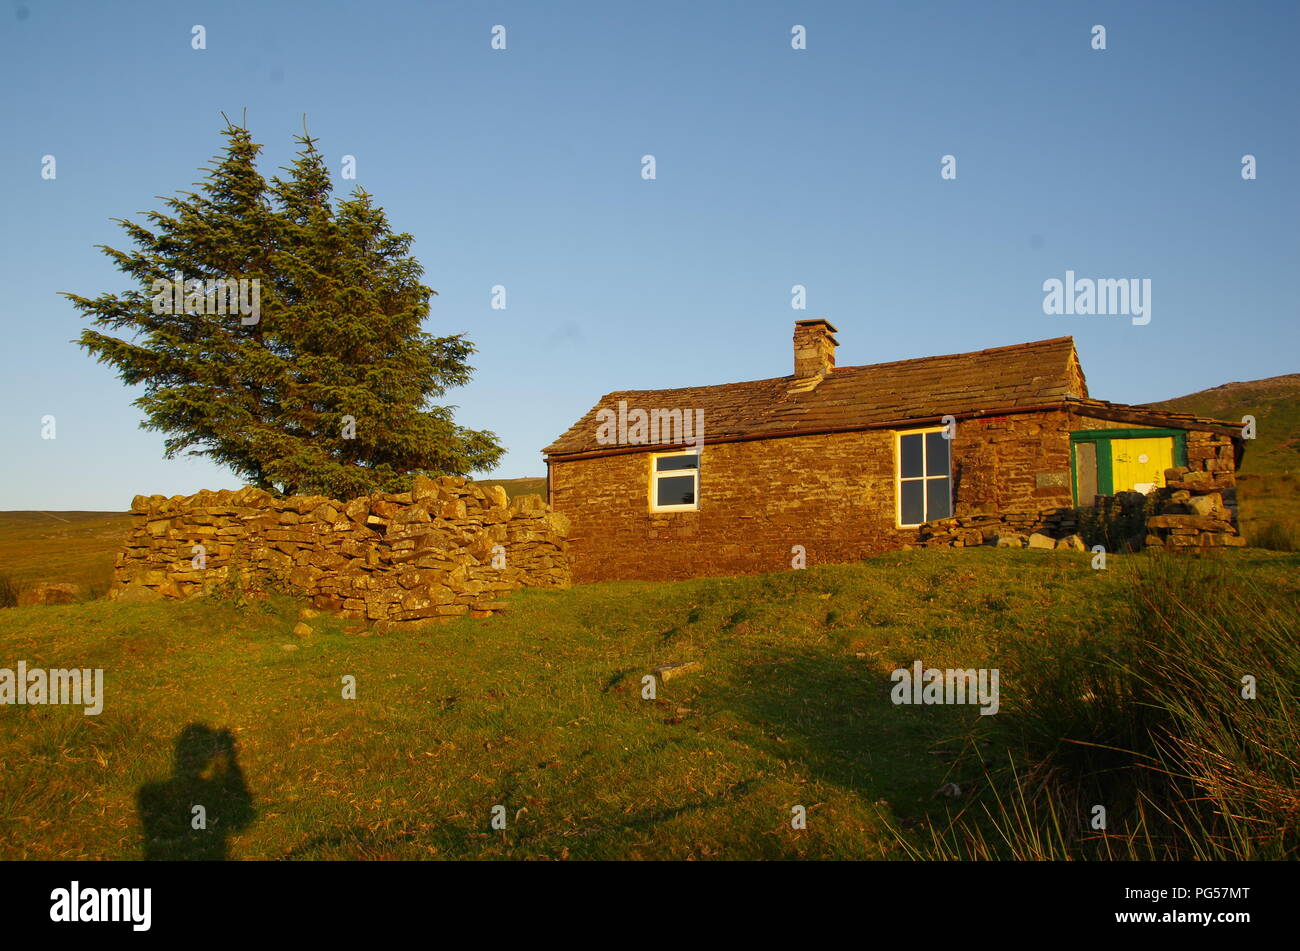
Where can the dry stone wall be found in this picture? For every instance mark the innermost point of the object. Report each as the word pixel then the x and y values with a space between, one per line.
pixel 1055 527
pixel 443 549
pixel 1197 509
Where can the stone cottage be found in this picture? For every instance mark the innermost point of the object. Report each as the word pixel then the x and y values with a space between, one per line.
pixel 842 462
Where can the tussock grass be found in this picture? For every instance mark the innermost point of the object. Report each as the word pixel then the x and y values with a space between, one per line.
pixel 1274 535
pixel 9 590
pixel 1149 721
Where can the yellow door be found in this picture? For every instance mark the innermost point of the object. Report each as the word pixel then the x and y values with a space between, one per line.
pixel 1139 464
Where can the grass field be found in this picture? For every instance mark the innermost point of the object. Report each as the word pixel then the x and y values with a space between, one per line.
pixel 540 711
pixel 78 547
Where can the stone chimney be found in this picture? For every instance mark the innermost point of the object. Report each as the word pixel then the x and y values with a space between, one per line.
pixel 814 348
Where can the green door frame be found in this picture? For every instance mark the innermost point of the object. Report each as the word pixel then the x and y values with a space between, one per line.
pixel 1103 437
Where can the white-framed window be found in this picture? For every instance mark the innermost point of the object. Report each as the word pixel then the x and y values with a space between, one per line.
pixel 675 481
pixel 923 481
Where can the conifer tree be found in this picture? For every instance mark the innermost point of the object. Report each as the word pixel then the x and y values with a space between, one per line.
pixel 307 370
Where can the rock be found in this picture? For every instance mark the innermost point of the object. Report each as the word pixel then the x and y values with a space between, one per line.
pixel 666 672
pixel 558 523
pixel 325 512
pixel 304 576
pixel 452 509
pixel 136 593
pixel 1072 542
pixel 1200 523
pixel 409 626
pixel 55 593
pixel 1039 540
pixel 306 614
pixel 303 630
pixel 423 488
pixel 412 515
pixel 1011 541
pixel 1206 505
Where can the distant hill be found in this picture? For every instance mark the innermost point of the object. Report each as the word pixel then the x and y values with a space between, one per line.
pixel 1275 404
pixel 514 487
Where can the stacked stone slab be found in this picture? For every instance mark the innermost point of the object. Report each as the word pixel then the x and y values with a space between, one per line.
pixel 1196 510
pixel 443 549
pixel 1013 529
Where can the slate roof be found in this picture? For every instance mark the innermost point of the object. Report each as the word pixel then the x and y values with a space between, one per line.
pixel 960 384
pixel 1146 415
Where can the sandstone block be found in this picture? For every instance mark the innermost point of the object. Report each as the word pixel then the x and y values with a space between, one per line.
pixel 51 593
pixel 137 593
pixel 1201 523
pixel 423 488
pixel 1210 504
pixel 667 672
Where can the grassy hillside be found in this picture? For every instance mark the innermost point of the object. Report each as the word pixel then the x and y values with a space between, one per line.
pixel 1269 479
pixel 1275 404
pixel 541 711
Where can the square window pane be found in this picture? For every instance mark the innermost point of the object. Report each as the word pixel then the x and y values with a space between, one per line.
pixel 913 507
pixel 675 490
pixel 669 463
pixel 909 456
pixel 938 499
pixel 937 450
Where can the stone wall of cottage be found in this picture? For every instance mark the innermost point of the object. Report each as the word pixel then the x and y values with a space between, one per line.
pixel 1196 508
pixel 1015 463
pixel 446 548
pixel 833 494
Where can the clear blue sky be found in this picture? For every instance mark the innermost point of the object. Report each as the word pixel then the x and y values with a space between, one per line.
pixel 775 167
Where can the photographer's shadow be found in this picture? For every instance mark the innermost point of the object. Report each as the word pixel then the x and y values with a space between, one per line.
pixel 189 816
